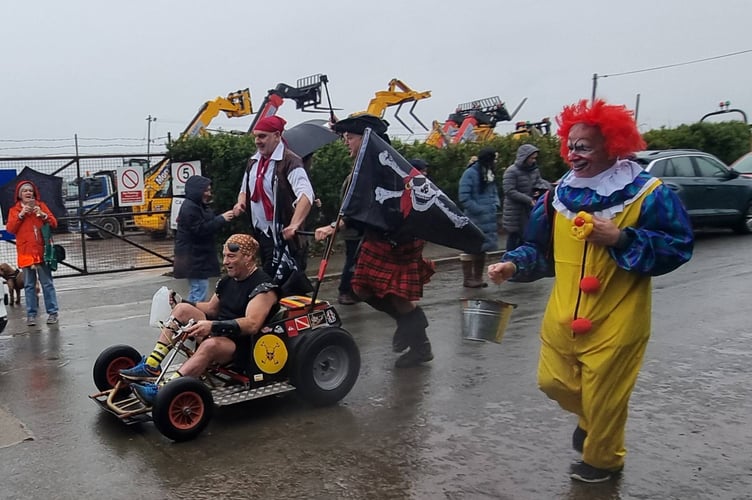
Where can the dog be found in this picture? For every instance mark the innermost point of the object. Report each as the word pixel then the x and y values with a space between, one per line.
pixel 14 278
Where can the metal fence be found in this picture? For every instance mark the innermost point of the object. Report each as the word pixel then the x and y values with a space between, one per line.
pixel 105 252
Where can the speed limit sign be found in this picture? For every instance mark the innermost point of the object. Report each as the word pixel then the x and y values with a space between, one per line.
pixel 181 172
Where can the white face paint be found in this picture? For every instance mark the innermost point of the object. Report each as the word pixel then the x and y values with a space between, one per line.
pixel 587 151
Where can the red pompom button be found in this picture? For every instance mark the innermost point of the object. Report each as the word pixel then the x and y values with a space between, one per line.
pixel 590 284
pixel 579 221
pixel 581 325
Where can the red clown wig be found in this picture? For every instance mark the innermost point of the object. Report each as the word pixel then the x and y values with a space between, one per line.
pixel 616 124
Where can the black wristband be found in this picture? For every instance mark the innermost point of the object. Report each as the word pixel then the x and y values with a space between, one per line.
pixel 226 328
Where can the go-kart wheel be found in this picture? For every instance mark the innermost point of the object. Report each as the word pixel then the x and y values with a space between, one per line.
pixel 183 408
pixel 326 366
pixel 109 363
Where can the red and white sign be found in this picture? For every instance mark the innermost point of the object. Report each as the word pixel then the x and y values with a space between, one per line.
pixel 130 183
pixel 181 172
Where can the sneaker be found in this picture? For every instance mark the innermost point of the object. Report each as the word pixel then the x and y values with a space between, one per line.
pixel 347 299
pixel 31 320
pixel 146 392
pixel 415 356
pixel 578 438
pixel 589 474
pixel 141 372
pixel 52 319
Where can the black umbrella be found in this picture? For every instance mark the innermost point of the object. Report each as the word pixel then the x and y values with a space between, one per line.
pixel 305 138
pixel 50 191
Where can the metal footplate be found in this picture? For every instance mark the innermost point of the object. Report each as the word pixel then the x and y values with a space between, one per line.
pixel 224 396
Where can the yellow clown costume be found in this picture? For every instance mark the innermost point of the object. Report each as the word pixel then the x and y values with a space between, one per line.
pixel 597 322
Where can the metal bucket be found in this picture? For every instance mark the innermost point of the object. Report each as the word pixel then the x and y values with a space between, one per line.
pixel 485 319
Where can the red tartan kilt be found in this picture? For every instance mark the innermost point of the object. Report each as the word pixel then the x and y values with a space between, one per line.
pixel 383 269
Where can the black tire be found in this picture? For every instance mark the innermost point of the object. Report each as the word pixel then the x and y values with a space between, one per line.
pixel 744 226
pixel 109 363
pixel 183 408
pixel 111 224
pixel 326 366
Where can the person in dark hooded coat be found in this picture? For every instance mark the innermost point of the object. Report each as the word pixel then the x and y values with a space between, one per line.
pixel 521 180
pixel 195 251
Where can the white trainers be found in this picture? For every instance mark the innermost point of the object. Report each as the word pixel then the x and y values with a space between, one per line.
pixel 31 320
pixel 52 319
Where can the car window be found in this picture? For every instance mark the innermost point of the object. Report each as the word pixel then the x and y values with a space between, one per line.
pixel 744 164
pixel 658 169
pixel 709 167
pixel 680 166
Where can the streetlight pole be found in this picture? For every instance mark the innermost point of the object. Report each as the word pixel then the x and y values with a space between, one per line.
pixel 148 136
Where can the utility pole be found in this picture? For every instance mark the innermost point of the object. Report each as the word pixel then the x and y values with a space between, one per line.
pixel 148 136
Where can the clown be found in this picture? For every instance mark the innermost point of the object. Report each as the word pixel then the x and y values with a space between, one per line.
pixel 613 227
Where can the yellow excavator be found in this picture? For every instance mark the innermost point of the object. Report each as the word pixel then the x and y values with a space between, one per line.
pixel 153 217
pixel 396 94
pixel 472 121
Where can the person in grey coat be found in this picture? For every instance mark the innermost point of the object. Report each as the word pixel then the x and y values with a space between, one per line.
pixel 479 199
pixel 195 251
pixel 521 180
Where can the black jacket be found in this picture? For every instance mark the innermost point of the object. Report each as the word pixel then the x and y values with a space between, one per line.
pixel 195 251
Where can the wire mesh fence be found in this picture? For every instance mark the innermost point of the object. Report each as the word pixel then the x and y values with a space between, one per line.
pixel 99 236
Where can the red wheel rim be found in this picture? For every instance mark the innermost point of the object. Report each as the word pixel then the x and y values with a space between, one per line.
pixel 186 410
pixel 113 370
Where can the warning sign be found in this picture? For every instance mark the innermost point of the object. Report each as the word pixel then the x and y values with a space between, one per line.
pixel 181 172
pixel 130 186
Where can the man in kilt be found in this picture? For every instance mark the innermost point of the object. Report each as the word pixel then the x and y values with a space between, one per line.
pixel 389 275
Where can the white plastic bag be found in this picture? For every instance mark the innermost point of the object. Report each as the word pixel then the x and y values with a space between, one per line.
pixel 160 306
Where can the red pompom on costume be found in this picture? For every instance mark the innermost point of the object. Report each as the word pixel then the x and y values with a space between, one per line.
pixel 590 284
pixel 581 325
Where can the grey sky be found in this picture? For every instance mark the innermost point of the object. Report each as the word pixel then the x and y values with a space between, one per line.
pixel 99 68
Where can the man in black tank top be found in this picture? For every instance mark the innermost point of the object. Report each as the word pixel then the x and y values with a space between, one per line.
pixel 224 326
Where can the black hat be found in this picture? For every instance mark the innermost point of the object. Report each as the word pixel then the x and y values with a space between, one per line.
pixel 419 164
pixel 359 123
pixel 486 155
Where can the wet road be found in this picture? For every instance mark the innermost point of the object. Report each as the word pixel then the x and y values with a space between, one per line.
pixel 472 424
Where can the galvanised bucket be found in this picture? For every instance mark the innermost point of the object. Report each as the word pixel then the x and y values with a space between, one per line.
pixel 485 319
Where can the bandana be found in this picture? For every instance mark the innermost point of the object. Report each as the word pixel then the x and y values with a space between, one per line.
pixel 270 124
pixel 248 246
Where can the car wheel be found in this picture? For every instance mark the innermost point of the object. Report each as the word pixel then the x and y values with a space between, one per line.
pixel 745 224
pixel 326 366
pixel 109 363
pixel 183 408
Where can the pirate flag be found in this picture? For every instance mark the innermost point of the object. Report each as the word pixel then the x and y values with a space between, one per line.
pixel 388 194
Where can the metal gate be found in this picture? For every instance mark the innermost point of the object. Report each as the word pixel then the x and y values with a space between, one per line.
pixel 109 242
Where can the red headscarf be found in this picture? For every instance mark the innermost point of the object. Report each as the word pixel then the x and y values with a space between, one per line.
pixel 271 124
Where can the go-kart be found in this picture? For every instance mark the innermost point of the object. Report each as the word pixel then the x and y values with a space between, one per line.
pixel 303 348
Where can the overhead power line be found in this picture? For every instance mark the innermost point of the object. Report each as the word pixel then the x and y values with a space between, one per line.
pixel 655 68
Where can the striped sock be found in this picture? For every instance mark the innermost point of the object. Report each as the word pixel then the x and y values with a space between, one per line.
pixel 157 355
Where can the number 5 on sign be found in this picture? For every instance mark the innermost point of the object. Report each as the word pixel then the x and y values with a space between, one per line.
pixel 181 172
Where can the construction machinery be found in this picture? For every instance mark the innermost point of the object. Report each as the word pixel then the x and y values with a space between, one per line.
pixel 396 94
pixel 153 216
pixel 472 121
pixel 307 95
pixel 526 129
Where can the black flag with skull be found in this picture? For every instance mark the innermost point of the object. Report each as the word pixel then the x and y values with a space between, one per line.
pixel 388 194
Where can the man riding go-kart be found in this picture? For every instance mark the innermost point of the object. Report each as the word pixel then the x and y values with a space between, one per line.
pixel 252 347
